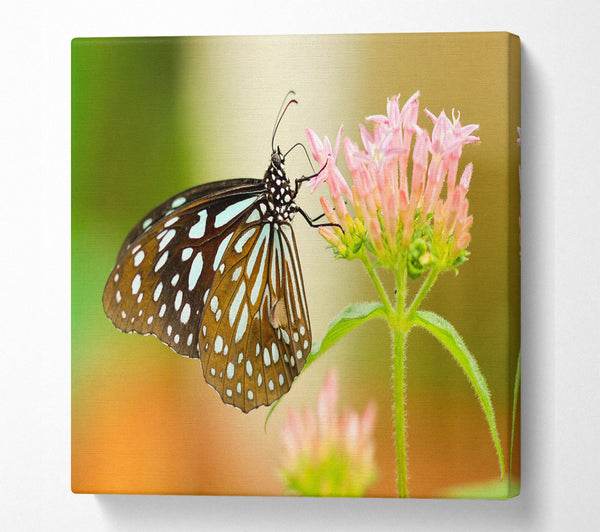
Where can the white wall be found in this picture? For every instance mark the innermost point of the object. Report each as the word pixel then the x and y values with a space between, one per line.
pixel 561 187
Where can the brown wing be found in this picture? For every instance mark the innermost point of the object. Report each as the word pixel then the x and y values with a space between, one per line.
pixel 162 277
pixel 255 333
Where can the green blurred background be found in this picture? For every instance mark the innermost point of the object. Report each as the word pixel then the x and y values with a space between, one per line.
pixel 153 116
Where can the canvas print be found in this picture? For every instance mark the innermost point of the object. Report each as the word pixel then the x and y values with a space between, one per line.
pixel 295 265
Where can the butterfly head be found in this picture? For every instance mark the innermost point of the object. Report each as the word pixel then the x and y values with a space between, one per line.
pixel 278 160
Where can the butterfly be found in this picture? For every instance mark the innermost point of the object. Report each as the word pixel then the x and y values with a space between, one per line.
pixel 214 273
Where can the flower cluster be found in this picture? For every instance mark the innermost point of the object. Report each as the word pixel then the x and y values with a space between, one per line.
pixel 328 454
pixel 397 216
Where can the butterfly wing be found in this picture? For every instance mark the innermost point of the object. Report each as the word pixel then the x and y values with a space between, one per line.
pixel 165 267
pixel 182 200
pixel 255 329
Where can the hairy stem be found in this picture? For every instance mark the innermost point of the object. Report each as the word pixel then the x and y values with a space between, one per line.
pixel 399 413
pixel 378 285
pixel 423 291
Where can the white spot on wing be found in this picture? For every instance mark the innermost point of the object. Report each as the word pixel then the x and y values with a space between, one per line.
pixel 242 324
pixel 255 250
pixel 186 254
pixel 185 313
pixel 166 239
pixel 170 222
pixel 241 241
pixel 195 270
pixel 237 301
pixel 157 291
pixel 139 257
pixel 266 357
pixel 161 261
pixel 197 230
pixel 177 202
pixel 218 344
pixel 221 251
pixel 232 211
pixel 178 298
pixel 136 283
pixel 254 216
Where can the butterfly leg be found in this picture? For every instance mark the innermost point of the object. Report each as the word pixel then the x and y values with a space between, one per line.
pixel 301 180
pixel 312 221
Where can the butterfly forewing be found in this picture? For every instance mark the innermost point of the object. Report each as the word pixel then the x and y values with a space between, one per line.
pixel 255 333
pixel 161 279
pixel 182 201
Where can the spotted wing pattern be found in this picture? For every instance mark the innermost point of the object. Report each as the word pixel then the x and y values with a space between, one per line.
pixel 255 333
pixel 182 200
pixel 212 276
pixel 162 276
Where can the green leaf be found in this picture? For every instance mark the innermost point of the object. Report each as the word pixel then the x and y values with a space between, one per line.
pixel 449 337
pixel 349 318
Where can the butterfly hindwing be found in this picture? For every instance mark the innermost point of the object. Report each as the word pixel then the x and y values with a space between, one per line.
pixel 255 333
pixel 161 278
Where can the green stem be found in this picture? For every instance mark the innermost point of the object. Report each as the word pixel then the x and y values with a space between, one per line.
pixel 396 322
pixel 401 287
pixel 399 413
pixel 425 287
pixel 378 285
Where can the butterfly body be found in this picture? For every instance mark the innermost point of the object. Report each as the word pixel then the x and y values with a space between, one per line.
pixel 214 273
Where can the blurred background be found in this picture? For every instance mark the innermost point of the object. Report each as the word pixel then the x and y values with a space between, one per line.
pixel 151 117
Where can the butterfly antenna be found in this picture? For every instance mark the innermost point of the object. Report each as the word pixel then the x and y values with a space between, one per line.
pixel 305 151
pixel 280 114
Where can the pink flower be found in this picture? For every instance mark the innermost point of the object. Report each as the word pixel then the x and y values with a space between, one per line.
pixel 391 205
pixel 328 454
pixel 326 157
